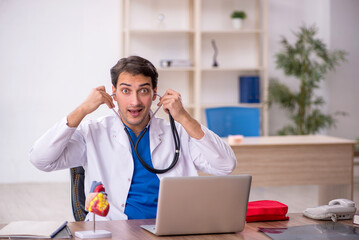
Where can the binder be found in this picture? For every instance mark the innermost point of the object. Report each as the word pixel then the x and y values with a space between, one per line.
pixel 249 89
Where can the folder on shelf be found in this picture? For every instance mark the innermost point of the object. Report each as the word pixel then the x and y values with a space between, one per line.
pixel 249 89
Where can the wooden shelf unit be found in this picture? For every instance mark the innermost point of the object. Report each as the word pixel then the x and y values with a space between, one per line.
pixel 186 33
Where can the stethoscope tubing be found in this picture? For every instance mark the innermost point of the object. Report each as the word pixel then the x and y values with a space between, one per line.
pixel 177 148
pixel 175 138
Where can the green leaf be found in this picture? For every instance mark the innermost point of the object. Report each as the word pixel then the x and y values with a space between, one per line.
pixel 287 130
pixel 281 94
pixel 308 60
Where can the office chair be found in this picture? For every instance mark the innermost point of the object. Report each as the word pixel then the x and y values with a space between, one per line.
pixel 78 197
pixel 226 121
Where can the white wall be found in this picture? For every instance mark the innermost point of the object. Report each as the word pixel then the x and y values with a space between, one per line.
pixel 344 83
pixel 53 52
pixel 284 17
pixel 336 20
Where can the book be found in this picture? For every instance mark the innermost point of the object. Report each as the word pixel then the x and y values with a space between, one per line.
pixel 36 229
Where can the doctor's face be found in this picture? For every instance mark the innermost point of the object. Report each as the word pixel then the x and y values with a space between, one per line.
pixel 134 96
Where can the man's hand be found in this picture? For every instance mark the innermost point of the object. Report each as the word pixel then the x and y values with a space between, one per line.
pixel 172 103
pixel 97 97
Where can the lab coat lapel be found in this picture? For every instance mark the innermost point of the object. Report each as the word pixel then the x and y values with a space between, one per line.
pixel 120 135
pixel 155 135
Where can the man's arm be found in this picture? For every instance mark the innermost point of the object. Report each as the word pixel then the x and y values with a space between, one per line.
pixel 97 97
pixel 61 143
pixel 212 155
pixel 53 149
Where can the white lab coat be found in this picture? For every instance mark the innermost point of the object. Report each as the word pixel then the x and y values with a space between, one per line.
pixel 103 149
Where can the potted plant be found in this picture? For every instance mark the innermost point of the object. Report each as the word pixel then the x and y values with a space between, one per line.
pixel 237 19
pixel 308 60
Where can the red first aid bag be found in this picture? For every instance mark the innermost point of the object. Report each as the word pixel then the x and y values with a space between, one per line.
pixel 266 210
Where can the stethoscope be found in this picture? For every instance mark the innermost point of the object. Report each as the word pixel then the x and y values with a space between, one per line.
pixel 135 146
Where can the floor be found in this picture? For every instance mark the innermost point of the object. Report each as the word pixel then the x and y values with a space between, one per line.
pixel 51 201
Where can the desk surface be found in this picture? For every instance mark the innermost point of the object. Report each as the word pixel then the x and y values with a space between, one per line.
pixel 131 229
pixel 292 140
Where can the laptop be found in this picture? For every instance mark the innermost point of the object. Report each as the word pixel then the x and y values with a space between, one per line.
pixel 201 205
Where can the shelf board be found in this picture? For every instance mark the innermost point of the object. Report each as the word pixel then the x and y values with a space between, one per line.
pixel 210 105
pixel 164 31
pixel 233 69
pixel 175 69
pixel 229 69
pixel 232 31
pixel 219 31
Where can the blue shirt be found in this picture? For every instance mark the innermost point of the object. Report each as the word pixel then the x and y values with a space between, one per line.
pixel 143 194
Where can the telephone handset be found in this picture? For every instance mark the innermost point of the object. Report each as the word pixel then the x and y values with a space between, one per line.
pixel 337 209
pixel 342 202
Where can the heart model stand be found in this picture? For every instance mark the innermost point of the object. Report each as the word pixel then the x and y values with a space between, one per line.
pixel 99 205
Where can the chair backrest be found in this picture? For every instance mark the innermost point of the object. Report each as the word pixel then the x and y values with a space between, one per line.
pixel 78 197
pixel 226 121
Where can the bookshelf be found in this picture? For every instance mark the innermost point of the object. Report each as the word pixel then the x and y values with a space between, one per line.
pixel 184 29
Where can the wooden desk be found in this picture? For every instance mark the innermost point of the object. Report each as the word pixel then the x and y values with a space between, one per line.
pixel 299 160
pixel 131 229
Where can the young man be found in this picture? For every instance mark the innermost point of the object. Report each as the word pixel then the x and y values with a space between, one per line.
pixel 103 147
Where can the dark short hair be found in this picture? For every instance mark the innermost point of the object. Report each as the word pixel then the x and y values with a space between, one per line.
pixel 135 65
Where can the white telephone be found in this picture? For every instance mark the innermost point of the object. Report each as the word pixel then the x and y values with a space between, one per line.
pixel 336 209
